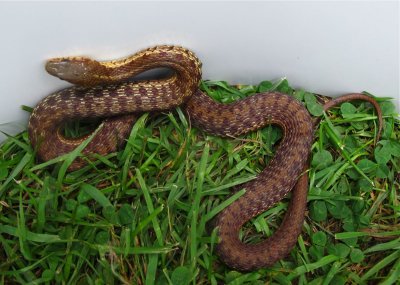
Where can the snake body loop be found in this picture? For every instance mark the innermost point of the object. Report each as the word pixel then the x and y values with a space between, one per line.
pixel 272 184
pixel 97 96
pixel 103 97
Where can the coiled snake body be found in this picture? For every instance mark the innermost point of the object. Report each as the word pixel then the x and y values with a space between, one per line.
pixel 99 95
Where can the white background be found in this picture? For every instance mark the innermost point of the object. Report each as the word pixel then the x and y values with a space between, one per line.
pixel 326 47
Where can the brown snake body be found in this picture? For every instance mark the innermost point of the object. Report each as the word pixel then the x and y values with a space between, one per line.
pixel 101 96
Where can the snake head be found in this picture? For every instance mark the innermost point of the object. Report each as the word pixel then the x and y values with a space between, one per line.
pixel 76 70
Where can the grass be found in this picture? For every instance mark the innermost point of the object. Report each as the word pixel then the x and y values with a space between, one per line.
pixel 140 216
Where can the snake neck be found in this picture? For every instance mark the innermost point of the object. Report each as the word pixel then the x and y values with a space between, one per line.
pixel 83 71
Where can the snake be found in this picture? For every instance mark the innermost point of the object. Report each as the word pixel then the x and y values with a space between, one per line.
pixel 105 89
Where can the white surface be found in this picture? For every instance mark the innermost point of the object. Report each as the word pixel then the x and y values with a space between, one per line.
pixel 325 47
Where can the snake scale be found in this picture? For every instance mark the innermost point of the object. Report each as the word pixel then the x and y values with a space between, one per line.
pixel 103 91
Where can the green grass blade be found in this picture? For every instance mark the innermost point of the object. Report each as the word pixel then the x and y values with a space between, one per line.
pixel 17 170
pixel 96 194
